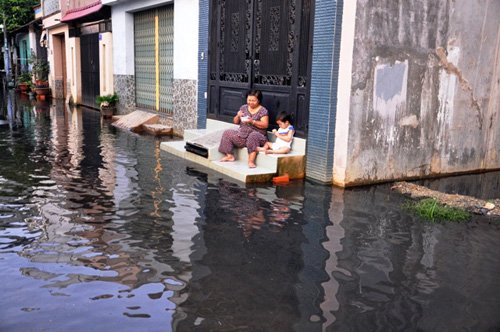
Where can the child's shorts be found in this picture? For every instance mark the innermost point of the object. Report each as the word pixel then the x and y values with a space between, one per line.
pixel 280 144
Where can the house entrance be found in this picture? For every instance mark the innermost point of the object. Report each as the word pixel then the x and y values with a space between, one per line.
pixel 265 45
pixel 89 57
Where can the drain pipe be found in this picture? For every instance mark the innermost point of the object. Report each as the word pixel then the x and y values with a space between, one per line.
pixel 6 51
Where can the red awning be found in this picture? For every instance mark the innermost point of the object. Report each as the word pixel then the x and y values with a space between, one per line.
pixel 78 13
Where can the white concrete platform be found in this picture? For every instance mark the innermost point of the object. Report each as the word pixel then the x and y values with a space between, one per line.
pixel 268 166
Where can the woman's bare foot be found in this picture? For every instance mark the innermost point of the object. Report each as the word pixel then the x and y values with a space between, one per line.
pixel 269 152
pixel 251 164
pixel 228 157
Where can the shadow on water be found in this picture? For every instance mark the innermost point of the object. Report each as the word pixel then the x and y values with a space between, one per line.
pixel 101 228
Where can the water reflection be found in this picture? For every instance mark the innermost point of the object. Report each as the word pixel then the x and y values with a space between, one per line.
pixel 90 215
pixel 244 276
pixel 335 233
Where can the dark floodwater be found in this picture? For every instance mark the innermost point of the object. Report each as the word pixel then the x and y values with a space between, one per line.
pixel 100 230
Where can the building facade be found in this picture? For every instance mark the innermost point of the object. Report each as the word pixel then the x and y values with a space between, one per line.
pixel 155 58
pixel 381 91
pixel 79 43
pixel 89 50
pixel 419 90
pixel 55 38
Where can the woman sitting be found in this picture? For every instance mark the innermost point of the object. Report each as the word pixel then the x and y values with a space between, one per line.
pixel 253 119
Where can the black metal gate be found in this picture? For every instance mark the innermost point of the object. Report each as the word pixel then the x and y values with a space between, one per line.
pixel 89 58
pixel 265 45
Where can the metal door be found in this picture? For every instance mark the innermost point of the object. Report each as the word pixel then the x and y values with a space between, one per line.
pixel 265 45
pixel 154 53
pixel 89 58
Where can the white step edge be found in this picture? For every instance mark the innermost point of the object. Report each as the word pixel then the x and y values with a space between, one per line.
pixel 238 170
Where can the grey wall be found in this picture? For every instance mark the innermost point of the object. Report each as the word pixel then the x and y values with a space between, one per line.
pixel 425 91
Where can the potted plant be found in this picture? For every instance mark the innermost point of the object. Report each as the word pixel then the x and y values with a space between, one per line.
pixel 24 81
pixel 107 104
pixel 41 72
pixel 40 68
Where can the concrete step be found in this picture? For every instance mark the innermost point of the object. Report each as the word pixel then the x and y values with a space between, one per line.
pixel 156 129
pixel 207 141
pixel 238 170
pixel 193 134
pixel 298 146
pixel 212 126
pixel 135 120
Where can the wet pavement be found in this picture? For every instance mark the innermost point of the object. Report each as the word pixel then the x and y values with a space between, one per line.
pixel 100 230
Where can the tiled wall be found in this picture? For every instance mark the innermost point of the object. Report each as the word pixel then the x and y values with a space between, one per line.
pixel 324 80
pixel 57 90
pixel 124 86
pixel 203 64
pixel 185 108
pixel 185 114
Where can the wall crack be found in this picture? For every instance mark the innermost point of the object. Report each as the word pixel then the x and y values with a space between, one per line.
pixel 451 69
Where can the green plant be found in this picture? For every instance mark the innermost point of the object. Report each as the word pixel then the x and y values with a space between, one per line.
pixel 40 67
pixel 16 13
pixel 107 100
pixel 24 78
pixel 430 209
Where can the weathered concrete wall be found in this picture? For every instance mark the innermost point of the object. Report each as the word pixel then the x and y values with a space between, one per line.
pixel 425 93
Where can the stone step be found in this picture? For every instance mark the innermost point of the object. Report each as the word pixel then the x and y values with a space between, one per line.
pixel 135 120
pixel 156 129
pixel 206 142
pixel 298 146
pixel 238 170
pixel 193 134
pixel 210 142
pixel 268 166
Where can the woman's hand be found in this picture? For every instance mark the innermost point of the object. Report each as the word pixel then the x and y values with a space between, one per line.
pixel 237 117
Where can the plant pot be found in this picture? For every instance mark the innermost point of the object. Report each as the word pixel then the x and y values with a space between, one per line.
pixel 42 91
pixel 108 111
pixel 41 84
pixel 23 87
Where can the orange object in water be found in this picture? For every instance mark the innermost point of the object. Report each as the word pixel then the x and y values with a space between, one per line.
pixel 281 179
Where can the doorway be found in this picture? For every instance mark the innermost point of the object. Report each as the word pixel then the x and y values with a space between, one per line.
pixel 264 45
pixel 89 57
pixel 59 90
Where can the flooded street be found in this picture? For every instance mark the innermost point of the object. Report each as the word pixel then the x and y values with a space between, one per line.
pixel 100 230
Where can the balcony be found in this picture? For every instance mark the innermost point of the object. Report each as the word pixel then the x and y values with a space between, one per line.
pixel 50 7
